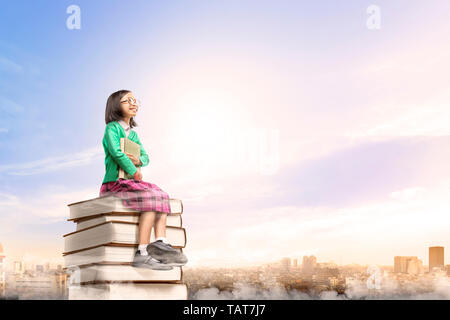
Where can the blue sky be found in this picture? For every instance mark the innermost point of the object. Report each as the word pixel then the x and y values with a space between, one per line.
pixel 360 116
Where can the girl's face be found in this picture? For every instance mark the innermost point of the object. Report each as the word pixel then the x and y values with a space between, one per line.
pixel 129 105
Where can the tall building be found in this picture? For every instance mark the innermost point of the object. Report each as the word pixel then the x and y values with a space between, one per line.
pixel 294 263
pixel 19 267
pixel 285 263
pixel 2 272
pixel 309 264
pixel 408 264
pixel 435 258
pixel 415 266
pixel 39 268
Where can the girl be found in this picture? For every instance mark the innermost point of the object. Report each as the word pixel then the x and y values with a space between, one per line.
pixel 147 198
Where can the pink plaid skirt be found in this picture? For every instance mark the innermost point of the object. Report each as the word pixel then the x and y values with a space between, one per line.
pixel 138 195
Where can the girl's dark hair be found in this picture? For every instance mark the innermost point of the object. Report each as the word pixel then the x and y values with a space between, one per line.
pixel 113 110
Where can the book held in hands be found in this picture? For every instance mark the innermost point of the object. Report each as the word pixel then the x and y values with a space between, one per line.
pixel 126 145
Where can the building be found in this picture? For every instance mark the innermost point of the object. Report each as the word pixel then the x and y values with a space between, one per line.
pixel 435 258
pixel 61 286
pixel 401 264
pixel 333 281
pixel 415 266
pixel 285 263
pixel 39 268
pixel 309 264
pixel 2 272
pixel 408 264
pixel 19 267
pixel 325 276
pixel 51 285
pixel 294 263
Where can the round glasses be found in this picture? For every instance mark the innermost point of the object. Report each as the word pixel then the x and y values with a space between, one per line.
pixel 132 101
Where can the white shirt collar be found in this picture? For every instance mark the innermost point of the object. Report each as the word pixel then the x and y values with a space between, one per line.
pixel 124 125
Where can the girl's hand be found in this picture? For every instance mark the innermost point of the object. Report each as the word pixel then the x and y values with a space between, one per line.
pixel 133 159
pixel 138 175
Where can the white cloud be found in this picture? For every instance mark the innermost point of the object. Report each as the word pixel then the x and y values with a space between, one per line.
pixel 45 206
pixel 406 87
pixel 53 163
pixel 408 193
pixel 384 122
pixel 8 199
pixel 8 106
pixel 244 291
pixel 10 66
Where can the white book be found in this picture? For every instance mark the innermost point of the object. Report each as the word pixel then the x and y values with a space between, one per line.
pixel 129 291
pixel 102 254
pixel 96 274
pixel 171 220
pixel 110 203
pixel 117 232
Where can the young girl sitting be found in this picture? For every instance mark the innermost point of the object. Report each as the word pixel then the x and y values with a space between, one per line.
pixel 147 198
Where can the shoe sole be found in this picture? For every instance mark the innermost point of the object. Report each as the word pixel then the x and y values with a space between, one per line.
pixel 168 261
pixel 165 257
pixel 175 264
pixel 146 266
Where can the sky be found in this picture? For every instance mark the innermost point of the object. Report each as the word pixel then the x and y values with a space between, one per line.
pixel 287 128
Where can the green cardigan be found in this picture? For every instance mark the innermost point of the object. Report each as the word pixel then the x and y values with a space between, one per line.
pixel 114 157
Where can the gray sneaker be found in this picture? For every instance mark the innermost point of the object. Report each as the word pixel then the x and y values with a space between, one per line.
pixel 165 253
pixel 148 262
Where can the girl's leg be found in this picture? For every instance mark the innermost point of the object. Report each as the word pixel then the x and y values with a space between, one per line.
pixel 160 224
pixel 168 254
pixel 146 221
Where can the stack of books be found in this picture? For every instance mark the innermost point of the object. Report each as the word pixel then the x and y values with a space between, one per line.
pixel 98 254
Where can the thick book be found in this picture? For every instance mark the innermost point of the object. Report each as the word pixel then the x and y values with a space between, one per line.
pixel 103 273
pixel 105 254
pixel 129 291
pixel 171 220
pixel 110 203
pixel 117 232
pixel 126 145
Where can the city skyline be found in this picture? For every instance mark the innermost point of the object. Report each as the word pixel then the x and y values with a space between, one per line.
pixel 10 264
pixel 285 279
